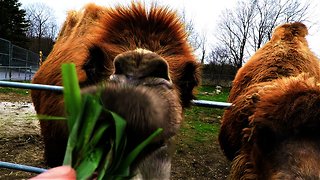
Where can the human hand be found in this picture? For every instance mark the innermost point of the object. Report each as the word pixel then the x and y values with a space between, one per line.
pixel 58 173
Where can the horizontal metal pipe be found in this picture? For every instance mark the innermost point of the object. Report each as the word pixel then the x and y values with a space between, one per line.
pixel 31 86
pixel 211 104
pixel 201 103
pixel 21 167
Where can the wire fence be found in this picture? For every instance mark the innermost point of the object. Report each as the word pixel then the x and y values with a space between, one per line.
pixel 17 63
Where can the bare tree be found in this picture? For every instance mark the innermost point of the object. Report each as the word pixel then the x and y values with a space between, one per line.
pixel 246 28
pixel 270 13
pixel 42 22
pixel 203 47
pixel 218 69
pixel 53 31
pixel 197 41
pixel 193 35
pixel 234 30
pixel 219 55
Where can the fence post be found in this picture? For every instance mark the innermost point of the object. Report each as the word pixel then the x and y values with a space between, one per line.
pixel 25 68
pixel 10 58
pixel 30 72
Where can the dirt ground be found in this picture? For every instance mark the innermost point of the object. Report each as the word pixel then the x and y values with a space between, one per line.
pixel 21 143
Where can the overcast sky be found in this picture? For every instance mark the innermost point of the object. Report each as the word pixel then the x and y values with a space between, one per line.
pixel 204 13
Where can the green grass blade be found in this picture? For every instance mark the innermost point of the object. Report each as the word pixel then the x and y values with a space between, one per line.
pixel 91 112
pixel 119 142
pixel 89 164
pixel 72 96
pixel 96 138
pixel 123 167
pixel 98 135
pixel 46 117
pixel 72 103
pixel 72 141
pixel 104 169
pixel 120 125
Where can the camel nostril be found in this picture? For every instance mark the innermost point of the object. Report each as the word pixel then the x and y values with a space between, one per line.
pixel 129 77
pixel 117 66
pixel 159 69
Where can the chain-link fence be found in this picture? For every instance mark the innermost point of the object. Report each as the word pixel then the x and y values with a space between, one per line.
pixel 17 63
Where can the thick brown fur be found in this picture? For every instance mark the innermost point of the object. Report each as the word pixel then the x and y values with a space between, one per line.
pixel 274 95
pixel 122 44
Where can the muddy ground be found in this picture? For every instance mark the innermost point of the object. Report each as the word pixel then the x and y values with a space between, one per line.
pixel 20 142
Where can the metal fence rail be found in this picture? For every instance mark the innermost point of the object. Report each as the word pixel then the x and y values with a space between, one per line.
pixel 200 103
pixel 211 104
pixel 31 86
pixel 21 167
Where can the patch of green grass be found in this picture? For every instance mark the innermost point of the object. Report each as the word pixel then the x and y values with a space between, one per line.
pixel 201 123
pixel 205 131
pixel 202 113
pixel 14 90
pixel 206 88
pixel 221 97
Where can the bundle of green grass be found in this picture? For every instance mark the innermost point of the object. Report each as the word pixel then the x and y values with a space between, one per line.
pixel 95 147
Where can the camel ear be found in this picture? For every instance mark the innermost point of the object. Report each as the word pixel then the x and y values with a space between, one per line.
pixel 95 67
pixel 189 79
